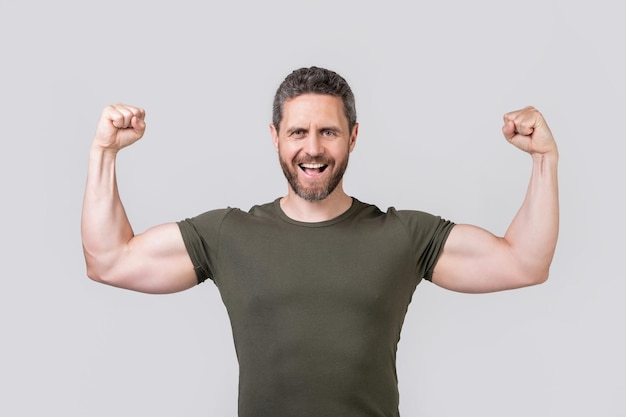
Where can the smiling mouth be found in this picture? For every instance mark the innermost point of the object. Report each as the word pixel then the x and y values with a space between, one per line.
pixel 313 168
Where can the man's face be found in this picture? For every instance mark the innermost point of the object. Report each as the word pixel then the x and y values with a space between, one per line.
pixel 313 144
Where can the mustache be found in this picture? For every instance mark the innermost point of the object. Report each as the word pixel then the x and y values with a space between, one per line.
pixel 312 160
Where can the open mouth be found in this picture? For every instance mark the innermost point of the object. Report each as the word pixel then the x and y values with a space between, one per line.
pixel 313 169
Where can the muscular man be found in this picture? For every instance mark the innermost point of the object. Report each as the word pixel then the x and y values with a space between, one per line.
pixel 317 283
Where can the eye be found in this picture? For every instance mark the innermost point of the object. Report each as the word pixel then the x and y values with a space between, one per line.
pixel 297 134
pixel 328 133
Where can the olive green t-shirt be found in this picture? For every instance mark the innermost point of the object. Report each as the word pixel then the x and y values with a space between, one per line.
pixel 316 309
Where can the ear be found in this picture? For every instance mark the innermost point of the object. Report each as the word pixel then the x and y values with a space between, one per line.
pixel 353 135
pixel 274 134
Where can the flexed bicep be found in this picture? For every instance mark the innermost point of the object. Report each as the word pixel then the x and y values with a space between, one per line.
pixel 476 261
pixel 155 261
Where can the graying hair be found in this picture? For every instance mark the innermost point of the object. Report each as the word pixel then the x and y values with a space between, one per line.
pixel 314 80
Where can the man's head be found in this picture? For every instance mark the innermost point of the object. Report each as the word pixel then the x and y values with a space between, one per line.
pixel 314 80
pixel 314 130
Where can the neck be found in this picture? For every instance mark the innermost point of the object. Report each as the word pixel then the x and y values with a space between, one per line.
pixel 297 208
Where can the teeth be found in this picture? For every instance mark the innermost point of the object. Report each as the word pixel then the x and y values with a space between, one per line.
pixel 312 166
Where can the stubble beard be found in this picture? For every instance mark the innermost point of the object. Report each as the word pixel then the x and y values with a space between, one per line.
pixel 319 190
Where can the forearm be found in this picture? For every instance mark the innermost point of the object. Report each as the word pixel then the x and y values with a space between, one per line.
pixel 105 227
pixel 532 235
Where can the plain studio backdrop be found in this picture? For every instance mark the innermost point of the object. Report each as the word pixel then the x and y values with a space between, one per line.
pixel 432 81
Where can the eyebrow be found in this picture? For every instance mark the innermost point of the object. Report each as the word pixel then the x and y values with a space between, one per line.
pixel 321 129
pixel 333 128
pixel 294 128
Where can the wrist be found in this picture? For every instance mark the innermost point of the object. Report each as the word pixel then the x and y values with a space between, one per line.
pixel 549 156
pixel 98 150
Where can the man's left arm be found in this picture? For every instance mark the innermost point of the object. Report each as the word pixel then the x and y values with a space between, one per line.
pixel 474 260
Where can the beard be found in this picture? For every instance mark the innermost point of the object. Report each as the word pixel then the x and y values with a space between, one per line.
pixel 319 189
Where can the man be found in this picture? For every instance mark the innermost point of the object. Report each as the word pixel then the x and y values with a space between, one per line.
pixel 317 283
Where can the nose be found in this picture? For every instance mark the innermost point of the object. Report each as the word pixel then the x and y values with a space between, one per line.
pixel 313 145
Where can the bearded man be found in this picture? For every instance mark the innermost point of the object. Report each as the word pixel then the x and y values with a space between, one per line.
pixel 317 283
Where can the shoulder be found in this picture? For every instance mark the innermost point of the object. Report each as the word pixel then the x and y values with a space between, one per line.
pixel 210 216
pixel 394 220
pixel 407 217
pixel 416 224
pixel 220 214
pixel 415 216
pixel 263 210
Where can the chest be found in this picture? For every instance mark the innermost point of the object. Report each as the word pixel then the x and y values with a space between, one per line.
pixel 363 271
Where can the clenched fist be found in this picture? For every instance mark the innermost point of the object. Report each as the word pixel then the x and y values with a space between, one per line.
pixel 528 130
pixel 120 125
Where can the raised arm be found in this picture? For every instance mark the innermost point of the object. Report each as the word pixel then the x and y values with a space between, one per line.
pixel 474 260
pixel 155 261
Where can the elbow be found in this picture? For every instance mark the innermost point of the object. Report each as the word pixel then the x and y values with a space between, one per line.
pixel 103 266
pixel 99 271
pixel 95 274
pixel 92 273
pixel 535 277
pixel 531 270
pixel 109 273
pixel 540 279
pixel 92 270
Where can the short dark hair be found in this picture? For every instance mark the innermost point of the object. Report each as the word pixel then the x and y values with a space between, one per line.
pixel 314 80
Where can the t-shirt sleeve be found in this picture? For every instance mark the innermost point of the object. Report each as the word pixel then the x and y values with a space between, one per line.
pixel 201 235
pixel 428 234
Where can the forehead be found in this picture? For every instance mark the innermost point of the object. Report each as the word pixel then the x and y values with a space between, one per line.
pixel 314 108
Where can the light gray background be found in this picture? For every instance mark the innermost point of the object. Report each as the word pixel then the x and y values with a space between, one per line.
pixel 432 80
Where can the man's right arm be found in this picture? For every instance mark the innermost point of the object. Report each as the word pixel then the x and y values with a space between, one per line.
pixel 155 261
